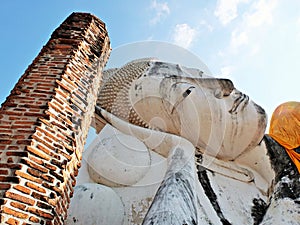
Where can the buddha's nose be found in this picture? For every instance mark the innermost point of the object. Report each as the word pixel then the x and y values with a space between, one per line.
pixel 226 86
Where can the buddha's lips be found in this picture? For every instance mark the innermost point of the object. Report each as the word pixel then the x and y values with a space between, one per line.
pixel 242 98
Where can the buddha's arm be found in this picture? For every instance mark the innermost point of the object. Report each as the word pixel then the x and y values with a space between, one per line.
pixel 178 186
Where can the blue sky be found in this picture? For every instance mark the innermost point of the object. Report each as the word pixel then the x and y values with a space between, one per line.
pixel 256 43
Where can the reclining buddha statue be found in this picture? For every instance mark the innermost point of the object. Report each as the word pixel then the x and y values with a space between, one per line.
pixel 177 146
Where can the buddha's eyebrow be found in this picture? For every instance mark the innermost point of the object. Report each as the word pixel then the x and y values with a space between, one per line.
pixel 212 83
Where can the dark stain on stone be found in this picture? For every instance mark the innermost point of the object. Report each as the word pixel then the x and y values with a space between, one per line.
pixel 198 156
pixel 258 210
pixel 287 177
pixel 92 196
pixel 74 219
pixel 81 188
pixel 259 109
pixel 209 192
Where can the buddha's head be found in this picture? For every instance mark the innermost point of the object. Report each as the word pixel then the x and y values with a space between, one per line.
pixel 209 112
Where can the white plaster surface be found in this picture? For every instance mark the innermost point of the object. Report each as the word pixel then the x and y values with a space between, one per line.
pixel 116 159
pixel 282 212
pixel 235 198
pixel 137 197
pixel 95 204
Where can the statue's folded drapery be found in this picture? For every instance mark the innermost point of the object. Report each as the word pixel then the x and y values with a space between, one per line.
pixel 285 129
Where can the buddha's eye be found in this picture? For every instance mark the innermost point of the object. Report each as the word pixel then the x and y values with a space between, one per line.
pixel 179 93
pixel 188 91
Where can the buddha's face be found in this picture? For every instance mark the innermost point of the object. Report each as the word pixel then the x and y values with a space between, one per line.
pixel 209 112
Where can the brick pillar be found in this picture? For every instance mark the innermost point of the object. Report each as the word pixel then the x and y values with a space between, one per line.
pixel 44 122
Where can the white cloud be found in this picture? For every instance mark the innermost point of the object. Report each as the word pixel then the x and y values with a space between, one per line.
pixel 262 13
pixel 184 35
pixel 226 71
pixel 161 11
pixel 263 29
pixel 238 39
pixel 255 49
pixel 208 26
pixel 226 10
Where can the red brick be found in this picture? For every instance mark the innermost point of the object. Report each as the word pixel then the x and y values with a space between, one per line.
pixel 64 86
pixel 36 187
pixel 24 142
pixel 5 142
pixel 43 205
pixel 20 137
pixel 10 165
pixel 19 198
pixel 65 95
pixel 17 153
pixel 49 140
pixel 14 213
pixel 6 131
pixel 26 122
pixel 3 172
pixel 41 140
pixel 34 172
pixel 34 165
pixel 46 97
pixel 28 177
pixel 9 179
pixel 50 166
pixel 10 160
pixel 12 147
pixel 38 153
pixel 4 186
pixel 5 112
pixel 22 189
pixel 48 178
pixel 34 219
pixel 36 160
pixel 41 213
pixel 4 126
pixel 12 221
pixel 14 127
pixel 35 114
pixel 18 205
pixel 10 104
pixel 5 136
pixel 62 46
pixel 13 118
pixel 25 131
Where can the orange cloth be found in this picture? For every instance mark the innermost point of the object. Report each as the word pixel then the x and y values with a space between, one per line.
pixel 285 129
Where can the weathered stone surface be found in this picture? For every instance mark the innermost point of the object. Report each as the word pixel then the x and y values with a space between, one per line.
pixel 242 177
pixel 109 166
pixel 176 199
pixel 101 202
